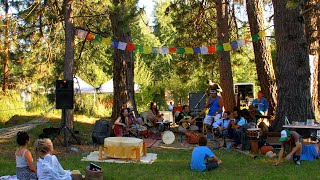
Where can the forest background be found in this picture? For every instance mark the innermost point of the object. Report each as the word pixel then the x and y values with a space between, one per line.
pixel 34 52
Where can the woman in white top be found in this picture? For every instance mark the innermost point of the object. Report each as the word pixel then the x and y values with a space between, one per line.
pixel 24 162
pixel 48 166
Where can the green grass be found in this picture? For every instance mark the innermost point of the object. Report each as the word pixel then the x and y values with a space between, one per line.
pixel 170 164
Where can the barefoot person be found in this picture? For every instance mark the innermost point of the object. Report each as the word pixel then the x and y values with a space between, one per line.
pixel 202 153
pixel 24 162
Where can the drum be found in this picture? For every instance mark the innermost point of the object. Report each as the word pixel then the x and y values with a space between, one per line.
pixel 168 137
pixel 123 147
pixel 193 137
pixel 254 133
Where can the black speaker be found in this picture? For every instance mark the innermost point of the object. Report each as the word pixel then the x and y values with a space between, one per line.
pixel 101 130
pixel 64 94
pixel 197 101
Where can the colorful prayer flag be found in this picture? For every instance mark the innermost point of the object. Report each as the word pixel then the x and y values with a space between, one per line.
pixel 255 38
pixel 130 47
pixel 241 42
pixel 90 36
pixel 212 49
pixel 81 33
pixel 180 50
pixel 147 50
pixel 172 50
pixel 219 47
pixel 122 45
pixel 164 50
pixel 114 44
pixel 98 39
pixel 204 50
pixel 106 41
pixel 196 50
pixel 234 44
pixel 139 48
pixel 188 50
pixel 262 34
pixel 227 46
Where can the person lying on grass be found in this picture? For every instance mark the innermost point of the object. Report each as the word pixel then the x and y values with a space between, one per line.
pixel 24 162
pixel 202 153
pixel 290 137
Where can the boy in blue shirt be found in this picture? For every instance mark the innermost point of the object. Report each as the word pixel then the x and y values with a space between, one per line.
pixel 202 153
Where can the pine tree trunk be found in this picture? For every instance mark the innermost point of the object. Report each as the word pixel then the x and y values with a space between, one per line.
pixel 293 78
pixel 262 53
pixel 6 53
pixel 123 67
pixel 69 53
pixel 226 80
pixel 311 15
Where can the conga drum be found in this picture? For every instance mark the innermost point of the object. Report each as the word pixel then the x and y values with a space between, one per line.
pixel 124 148
pixel 254 136
pixel 168 137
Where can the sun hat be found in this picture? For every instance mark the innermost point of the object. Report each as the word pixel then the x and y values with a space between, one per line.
pixel 284 135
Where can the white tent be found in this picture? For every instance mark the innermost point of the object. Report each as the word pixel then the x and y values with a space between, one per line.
pixel 81 87
pixel 107 87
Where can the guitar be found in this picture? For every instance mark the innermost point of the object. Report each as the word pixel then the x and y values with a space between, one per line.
pixel 186 125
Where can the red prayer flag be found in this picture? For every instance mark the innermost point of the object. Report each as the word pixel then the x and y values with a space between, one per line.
pixel 172 50
pixel 90 36
pixel 212 49
pixel 130 47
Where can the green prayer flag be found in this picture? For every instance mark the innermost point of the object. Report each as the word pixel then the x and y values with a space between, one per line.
pixel 180 50
pixel 219 47
pixel 139 48
pixel 255 38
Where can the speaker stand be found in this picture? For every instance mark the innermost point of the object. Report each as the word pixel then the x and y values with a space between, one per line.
pixel 204 94
pixel 65 128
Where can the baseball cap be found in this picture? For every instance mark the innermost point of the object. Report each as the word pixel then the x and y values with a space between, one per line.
pixel 284 135
pixel 213 91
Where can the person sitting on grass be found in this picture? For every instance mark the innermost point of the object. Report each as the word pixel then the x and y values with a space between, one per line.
pixel 290 137
pixel 221 125
pixel 184 120
pixel 24 162
pixel 202 153
pixel 48 166
pixel 122 126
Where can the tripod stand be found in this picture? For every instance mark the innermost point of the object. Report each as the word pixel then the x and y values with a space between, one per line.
pixel 65 128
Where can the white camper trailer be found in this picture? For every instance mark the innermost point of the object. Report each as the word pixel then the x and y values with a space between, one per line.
pixel 244 93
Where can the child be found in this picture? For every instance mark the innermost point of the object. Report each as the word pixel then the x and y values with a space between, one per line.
pixel 202 153
pixel 24 162
pixel 48 165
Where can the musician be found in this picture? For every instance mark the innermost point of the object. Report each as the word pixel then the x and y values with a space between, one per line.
pixel 122 125
pixel 221 126
pixel 185 122
pixel 202 153
pixel 215 105
pixel 153 114
pixel 234 127
pixel 261 105
pixel 290 137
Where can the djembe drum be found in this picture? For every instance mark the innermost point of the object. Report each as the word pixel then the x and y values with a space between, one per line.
pixel 124 148
pixel 254 136
pixel 168 137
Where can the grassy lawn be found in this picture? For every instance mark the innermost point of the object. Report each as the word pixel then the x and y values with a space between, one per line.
pixel 171 163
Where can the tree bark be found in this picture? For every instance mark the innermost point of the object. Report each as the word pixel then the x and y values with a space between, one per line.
pixel 123 67
pixel 226 80
pixel 311 15
pixel 69 53
pixel 262 52
pixel 6 53
pixel 293 72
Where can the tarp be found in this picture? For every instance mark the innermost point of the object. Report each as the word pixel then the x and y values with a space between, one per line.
pixel 81 87
pixel 107 87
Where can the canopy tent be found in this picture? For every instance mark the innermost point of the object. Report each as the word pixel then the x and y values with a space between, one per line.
pixel 107 87
pixel 81 87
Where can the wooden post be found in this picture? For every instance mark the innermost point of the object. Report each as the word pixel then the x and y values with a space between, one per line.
pixel 100 152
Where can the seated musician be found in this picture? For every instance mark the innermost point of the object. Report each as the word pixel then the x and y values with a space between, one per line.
pixel 203 158
pixel 185 121
pixel 221 125
pixel 153 114
pixel 234 128
pixel 123 124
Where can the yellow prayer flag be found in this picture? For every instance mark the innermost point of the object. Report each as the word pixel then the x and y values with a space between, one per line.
pixel 188 50
pixel 227 46
pixel 106 41
pixel 147 50
pixel 262 34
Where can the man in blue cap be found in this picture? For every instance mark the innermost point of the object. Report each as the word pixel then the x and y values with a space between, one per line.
pixel 288 137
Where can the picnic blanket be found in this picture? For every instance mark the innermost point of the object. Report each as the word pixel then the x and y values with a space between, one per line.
pixel 94 157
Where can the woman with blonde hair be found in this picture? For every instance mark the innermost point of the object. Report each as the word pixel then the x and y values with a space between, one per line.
pixel 48 166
